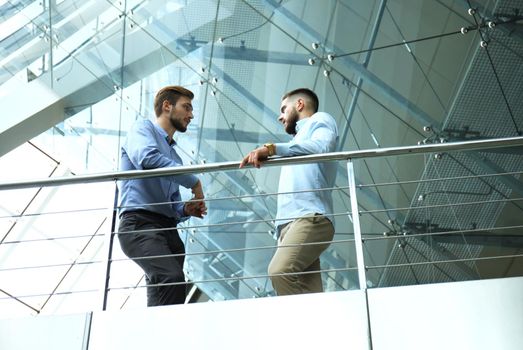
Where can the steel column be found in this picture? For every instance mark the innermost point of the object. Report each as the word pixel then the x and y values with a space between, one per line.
pixel 358 241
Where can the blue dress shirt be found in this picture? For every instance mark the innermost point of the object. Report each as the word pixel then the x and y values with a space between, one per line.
pixel 315 134
pixel 147 147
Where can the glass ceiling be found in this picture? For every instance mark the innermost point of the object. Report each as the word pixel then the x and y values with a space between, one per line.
pixel 76 74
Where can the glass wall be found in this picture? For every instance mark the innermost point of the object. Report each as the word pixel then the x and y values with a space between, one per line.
pixel 76 74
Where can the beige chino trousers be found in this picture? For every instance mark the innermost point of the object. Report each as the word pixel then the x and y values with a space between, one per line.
pixel 292 257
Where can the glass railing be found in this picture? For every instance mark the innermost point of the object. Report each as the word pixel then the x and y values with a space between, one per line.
pixel 460 226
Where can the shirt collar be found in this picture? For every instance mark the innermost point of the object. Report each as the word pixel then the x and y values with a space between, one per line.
pixel 164 134
pixel 301 123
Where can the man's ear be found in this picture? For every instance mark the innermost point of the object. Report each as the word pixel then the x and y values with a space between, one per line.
pixel 167 106
pixel 300 104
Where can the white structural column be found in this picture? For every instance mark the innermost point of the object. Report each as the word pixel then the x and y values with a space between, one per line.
pixel 27 112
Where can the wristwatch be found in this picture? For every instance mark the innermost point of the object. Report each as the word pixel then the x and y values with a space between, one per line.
pixel 271 147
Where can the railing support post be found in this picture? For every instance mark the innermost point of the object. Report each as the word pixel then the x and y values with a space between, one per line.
pixel 358 241
pixel 108 246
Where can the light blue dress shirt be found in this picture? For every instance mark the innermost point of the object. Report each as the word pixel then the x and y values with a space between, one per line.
pixel 147 147
pixel 316 134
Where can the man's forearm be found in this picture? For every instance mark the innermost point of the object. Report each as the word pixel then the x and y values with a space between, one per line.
pixel 197 190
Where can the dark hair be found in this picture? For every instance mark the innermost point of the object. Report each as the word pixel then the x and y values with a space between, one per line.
pixel 312 98
pixel 170 93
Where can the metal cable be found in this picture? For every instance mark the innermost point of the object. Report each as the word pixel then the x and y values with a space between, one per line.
pixel 239 278
pixel 447 261
pixel 440 179
pixel 224 279
pixel 443 233
pixel 212 252
pixel 444 205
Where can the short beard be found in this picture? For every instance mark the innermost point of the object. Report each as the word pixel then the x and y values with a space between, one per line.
pixel 177 124
pixel 290 128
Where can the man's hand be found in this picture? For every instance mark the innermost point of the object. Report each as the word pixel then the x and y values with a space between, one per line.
pixel 255 157
pixel 195 208
pixel 197 190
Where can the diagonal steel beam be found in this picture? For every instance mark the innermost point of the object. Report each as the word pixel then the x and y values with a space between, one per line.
pixel 485 238
pixel 492 168
pixel 354 100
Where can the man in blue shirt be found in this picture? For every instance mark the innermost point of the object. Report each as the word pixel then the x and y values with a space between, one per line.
pixel 150 208
pixel 302 221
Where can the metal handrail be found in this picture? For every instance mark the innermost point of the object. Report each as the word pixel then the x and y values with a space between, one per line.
pixel 277 161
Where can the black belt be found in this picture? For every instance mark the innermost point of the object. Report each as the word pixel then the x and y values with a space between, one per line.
pixel 151 214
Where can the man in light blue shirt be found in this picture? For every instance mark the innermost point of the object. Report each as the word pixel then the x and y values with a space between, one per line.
pixel 304 227
pixel 150 208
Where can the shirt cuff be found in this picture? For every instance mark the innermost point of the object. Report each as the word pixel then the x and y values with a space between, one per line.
pixel 178 208
pixel 282 149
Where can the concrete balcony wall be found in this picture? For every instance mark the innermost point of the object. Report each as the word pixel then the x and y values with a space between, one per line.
pixel 484 314
pixel 477 315
pixel 46 332
pixel 294 322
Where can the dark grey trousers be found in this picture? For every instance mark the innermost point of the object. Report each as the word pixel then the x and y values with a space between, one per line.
pixel 155 242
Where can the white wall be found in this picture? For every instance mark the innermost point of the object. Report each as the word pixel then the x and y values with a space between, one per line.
pixel 475 315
